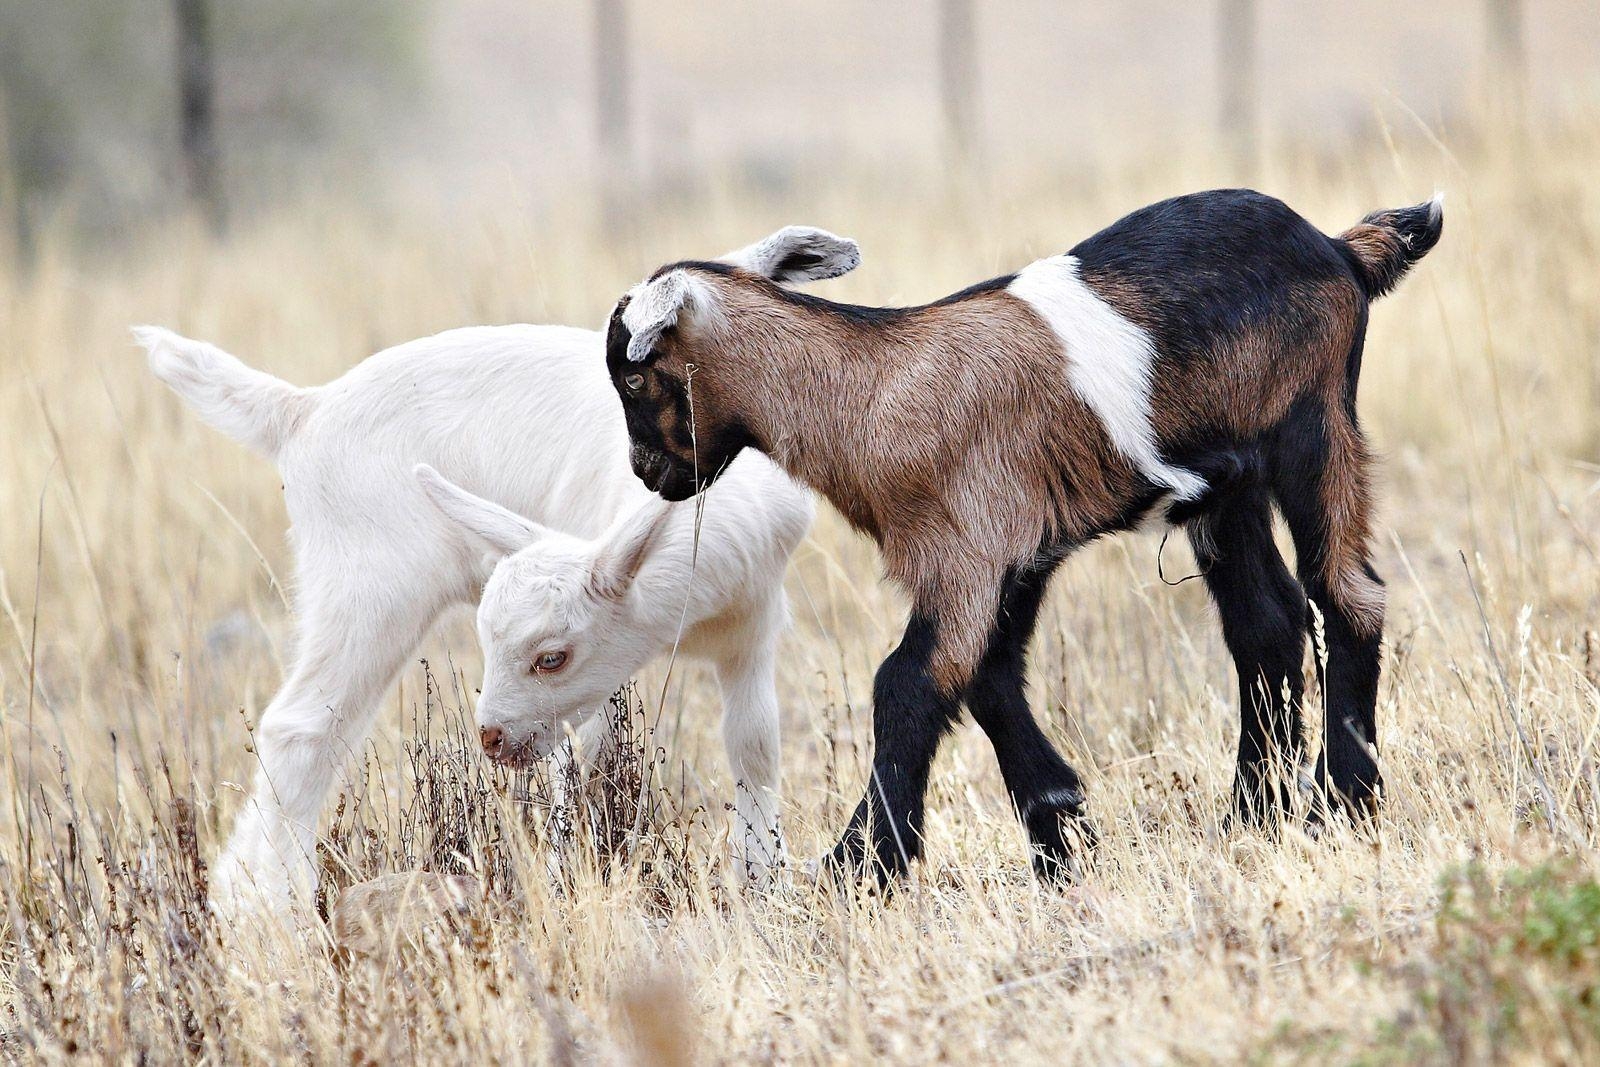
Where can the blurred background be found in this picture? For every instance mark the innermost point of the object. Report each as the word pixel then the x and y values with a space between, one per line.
pixel 117 113
pixel 308 181
pixel 304 182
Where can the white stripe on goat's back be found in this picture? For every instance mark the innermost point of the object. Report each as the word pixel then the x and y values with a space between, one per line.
pixel 1109 363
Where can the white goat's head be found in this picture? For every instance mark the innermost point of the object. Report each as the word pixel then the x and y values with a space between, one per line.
pixel 557 632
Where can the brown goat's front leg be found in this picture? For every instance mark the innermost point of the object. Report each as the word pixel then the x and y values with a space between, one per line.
pixel 912 710
pixel 1046 792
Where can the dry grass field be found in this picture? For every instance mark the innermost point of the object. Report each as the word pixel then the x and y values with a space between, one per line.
pixel 144 629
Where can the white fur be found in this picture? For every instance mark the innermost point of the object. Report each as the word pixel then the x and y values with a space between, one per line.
pixel 1436 206
pixel 254 409
pixel 1054 800
pixel 615 602
pixel 524 416
pixel 829 255
pixel 653 306
pixel 1109 364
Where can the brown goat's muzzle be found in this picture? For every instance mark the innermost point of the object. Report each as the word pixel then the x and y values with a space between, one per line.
pixel 676 488
pixel 666 475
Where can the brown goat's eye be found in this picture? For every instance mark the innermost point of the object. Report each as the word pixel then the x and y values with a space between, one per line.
pixel 549 662
pixel 634 382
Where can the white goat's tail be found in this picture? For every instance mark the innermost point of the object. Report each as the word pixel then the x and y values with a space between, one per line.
pixel 253 408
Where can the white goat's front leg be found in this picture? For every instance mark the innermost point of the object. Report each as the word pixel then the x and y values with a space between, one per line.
pixel 316 723
pixel 569 764
pixel 750 731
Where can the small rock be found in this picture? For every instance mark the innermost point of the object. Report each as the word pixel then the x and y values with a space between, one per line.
pixel 395 911
pixel 235 632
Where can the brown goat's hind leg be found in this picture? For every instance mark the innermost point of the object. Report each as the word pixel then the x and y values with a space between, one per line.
pixel 1321 485
pixel 1046 792
pixel 911 713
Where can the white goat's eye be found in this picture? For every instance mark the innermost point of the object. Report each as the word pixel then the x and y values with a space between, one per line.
pixel 546 662
pixel 634 382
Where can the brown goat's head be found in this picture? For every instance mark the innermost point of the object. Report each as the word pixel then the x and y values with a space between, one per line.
pixel 683 419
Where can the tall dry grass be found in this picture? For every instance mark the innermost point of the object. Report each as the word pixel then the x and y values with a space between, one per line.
pixel 144 629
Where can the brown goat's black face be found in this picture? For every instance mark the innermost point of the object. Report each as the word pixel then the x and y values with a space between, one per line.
pixel 684 419
pixel 679 443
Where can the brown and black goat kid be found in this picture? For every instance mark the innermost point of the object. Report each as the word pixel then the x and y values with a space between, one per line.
pixel 1196 361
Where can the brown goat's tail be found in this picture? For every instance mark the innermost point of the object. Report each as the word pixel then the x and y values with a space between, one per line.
pixel 1384 245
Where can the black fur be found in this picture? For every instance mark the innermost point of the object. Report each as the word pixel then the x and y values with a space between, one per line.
pixel 1263 614
pixel 1347 769
pixel 1045 791
pixel 709 266
pixel 858 313
pixel 797 264
pixel 910 717
pixel 1226 471
pixel 617 337
pixel 1210 264
pixel 1205 269
pixel 1418 229
pixel 655 460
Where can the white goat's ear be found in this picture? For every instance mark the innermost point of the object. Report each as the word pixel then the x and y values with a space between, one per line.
pixel 500 531
pixel 799 254
pixel 625 547
pixel 653 307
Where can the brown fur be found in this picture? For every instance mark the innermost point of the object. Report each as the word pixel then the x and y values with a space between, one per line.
pixel 1385 244
pixel 1246 384
pixel 1374 244
pixel 955 435
pixel 967 453
pixel 1347 505
pixel 1380 250
pixel 962 464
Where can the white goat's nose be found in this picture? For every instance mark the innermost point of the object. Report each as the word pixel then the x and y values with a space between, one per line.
pixel 493 740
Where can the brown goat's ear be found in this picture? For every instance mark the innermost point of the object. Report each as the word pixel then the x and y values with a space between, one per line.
pixel 625 547
pixel 799 254
pixel 652 308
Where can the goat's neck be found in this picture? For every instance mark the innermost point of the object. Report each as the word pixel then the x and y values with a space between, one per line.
pixel 812 387
pixel 666 597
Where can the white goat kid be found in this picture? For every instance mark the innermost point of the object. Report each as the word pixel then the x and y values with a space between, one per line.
pixel 527 417
pixel 563 618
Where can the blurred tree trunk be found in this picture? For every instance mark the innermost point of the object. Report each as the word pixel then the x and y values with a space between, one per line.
pixel 197 96
pixel 611 111
pixel 1236 72
pixel 1508 55
pixel 958 76
pixel 15 243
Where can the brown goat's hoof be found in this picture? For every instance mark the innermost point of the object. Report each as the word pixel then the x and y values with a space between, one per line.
pixel 1061 839
pixel 850 865
pixel 1331 809
pixel 1355 800
pixel 1261 802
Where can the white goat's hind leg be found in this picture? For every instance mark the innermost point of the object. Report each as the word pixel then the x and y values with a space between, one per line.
pixel 349 650
pixel 751 733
